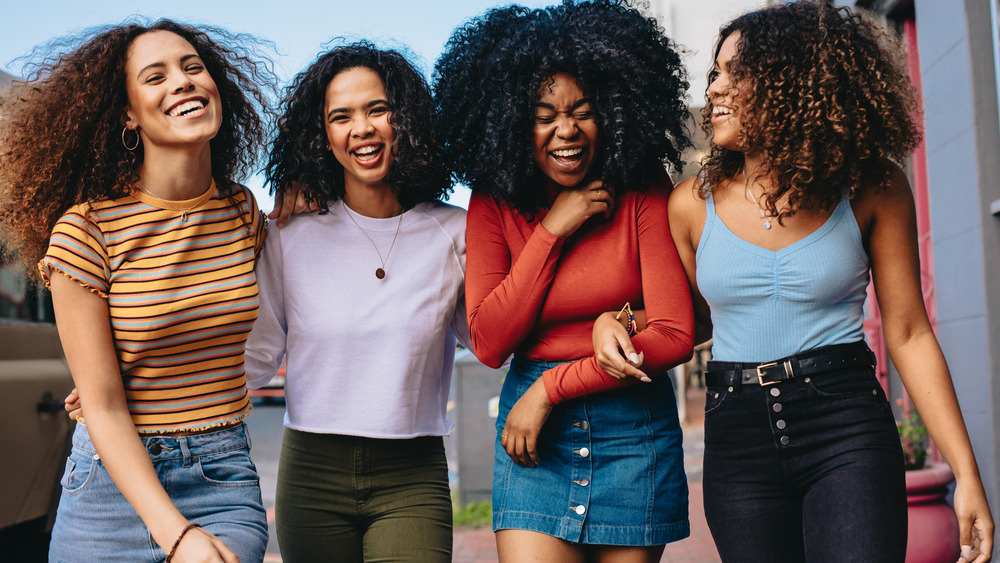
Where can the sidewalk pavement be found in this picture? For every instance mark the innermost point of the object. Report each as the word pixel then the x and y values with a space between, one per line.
pixel 478 545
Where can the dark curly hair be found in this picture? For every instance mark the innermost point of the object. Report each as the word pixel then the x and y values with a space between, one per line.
pixel 300 152
pixel 61 127
pixel 827 101
pixel 488 79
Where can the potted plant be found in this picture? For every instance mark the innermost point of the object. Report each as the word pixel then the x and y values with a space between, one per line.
pixel 933 527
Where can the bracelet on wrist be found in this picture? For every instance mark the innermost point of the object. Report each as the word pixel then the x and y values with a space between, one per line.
pixel 630 325
pixel 177 542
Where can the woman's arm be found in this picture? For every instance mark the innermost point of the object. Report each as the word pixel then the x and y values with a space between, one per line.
pixel 85 331
pixel 666 340
pixel 914 349
pixel 503 298
pixel 268 338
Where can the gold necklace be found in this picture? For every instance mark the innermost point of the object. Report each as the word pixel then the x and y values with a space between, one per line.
pixel 767 219
pixel 379 272
pixel 184 210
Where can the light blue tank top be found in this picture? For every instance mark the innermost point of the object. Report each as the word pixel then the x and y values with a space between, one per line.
pixel 771 304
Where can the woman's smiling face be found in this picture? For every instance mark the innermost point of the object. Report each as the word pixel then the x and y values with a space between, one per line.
pixel 356 114
pixel 173 100
pixel 565 131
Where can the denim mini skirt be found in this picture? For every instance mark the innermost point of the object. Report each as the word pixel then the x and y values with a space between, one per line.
pixel 611 468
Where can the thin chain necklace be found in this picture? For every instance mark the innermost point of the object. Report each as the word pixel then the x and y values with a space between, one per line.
pixel 380 272
pixel 183 210
pixel 767 219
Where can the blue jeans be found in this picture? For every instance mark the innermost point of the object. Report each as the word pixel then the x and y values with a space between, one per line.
pixel 809 469
pixel 209 477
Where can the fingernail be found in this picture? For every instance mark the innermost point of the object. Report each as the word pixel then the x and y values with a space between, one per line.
pixel 633 357
pixel 646 379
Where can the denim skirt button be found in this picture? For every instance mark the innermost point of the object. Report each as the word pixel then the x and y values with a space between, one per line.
pixel 784 440
pixel 580 509
pixel 776 407
pixel 584 424
pixel 780 424
pixel 155 448
pixel 775 392
pixel 584 452
pixel 583 482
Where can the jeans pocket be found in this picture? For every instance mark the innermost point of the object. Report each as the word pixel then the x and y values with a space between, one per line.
pixel 715 397
pixel 78 474
pixel 845 383
pixel 228 469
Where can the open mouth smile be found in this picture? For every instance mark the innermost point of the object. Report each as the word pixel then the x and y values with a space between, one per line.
pixel 187 108
pixel 368 155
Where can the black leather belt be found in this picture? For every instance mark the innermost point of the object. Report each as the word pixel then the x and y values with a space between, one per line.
pixel 828 358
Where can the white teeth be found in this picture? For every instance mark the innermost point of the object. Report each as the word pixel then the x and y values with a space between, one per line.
pixel 186 107
pixel 720 110
pixel 366 150
pixel 565 153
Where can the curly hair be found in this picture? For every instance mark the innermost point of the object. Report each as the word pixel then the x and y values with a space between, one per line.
pixel 827 102
pixel 61 128
pixel 489 76
pixel 300 152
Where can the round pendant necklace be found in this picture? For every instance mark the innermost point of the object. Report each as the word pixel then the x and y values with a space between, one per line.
pixel 767 219
pixel 379 272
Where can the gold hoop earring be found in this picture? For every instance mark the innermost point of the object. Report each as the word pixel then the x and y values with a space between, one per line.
pixel 125 144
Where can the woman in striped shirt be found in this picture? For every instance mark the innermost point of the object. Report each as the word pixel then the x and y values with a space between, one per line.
pixel 124 148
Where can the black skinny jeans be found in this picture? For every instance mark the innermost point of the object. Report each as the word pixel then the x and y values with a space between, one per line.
pixel 809 469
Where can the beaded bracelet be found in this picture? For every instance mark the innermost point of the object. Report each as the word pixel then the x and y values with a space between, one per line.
pixel 630 325
pixel 177 542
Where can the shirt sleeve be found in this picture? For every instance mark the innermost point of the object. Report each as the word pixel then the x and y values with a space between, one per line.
pixel 503 299
pixel 266 343
pixel 257 220
pixel 668 337
pixel 77 249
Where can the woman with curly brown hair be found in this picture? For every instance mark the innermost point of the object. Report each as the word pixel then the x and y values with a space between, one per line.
pixel 120 155
pixel 560 119
pixel 799 199
pixel 366 299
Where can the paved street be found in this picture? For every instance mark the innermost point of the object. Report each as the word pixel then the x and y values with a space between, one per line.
pixel 477 545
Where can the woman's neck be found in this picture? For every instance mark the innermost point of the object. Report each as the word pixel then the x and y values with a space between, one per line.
pixel 377 201
pixel 176 175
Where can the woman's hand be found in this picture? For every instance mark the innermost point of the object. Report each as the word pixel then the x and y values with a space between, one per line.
pixel 73 406
pixel 295 202
pixel 573 207
pixel 975 523
pixel 524 422
pixel 614 351
pixel 199 545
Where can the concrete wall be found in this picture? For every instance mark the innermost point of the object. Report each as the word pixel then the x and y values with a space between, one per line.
pixel 963 150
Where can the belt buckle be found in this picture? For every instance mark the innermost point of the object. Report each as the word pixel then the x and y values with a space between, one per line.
pixel 760 373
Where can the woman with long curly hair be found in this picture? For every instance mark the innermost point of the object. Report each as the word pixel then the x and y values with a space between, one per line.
pixel 123 146
pixel 801 197
pixel 560 120
pixel 366 299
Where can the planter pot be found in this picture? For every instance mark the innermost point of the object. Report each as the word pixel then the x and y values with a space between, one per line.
pixel 932 534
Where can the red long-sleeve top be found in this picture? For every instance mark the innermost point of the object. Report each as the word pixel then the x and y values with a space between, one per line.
pixel 537 294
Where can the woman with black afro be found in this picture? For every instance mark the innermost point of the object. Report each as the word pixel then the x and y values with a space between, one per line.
pixel 560 120
pixel 366 298
pixel 800 203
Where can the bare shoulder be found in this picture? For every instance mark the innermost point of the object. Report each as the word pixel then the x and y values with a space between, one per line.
pixel 875 202
pixel 686 203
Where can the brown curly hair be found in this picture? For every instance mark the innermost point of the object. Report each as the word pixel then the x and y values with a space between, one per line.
pixel 61 127
pixel 828 103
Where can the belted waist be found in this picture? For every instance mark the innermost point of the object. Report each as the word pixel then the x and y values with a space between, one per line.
pixel 827 358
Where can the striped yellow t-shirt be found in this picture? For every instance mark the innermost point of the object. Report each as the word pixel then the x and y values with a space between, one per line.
pixel 181 294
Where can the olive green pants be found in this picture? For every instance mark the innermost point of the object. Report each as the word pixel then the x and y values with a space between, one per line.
pixel 347 498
